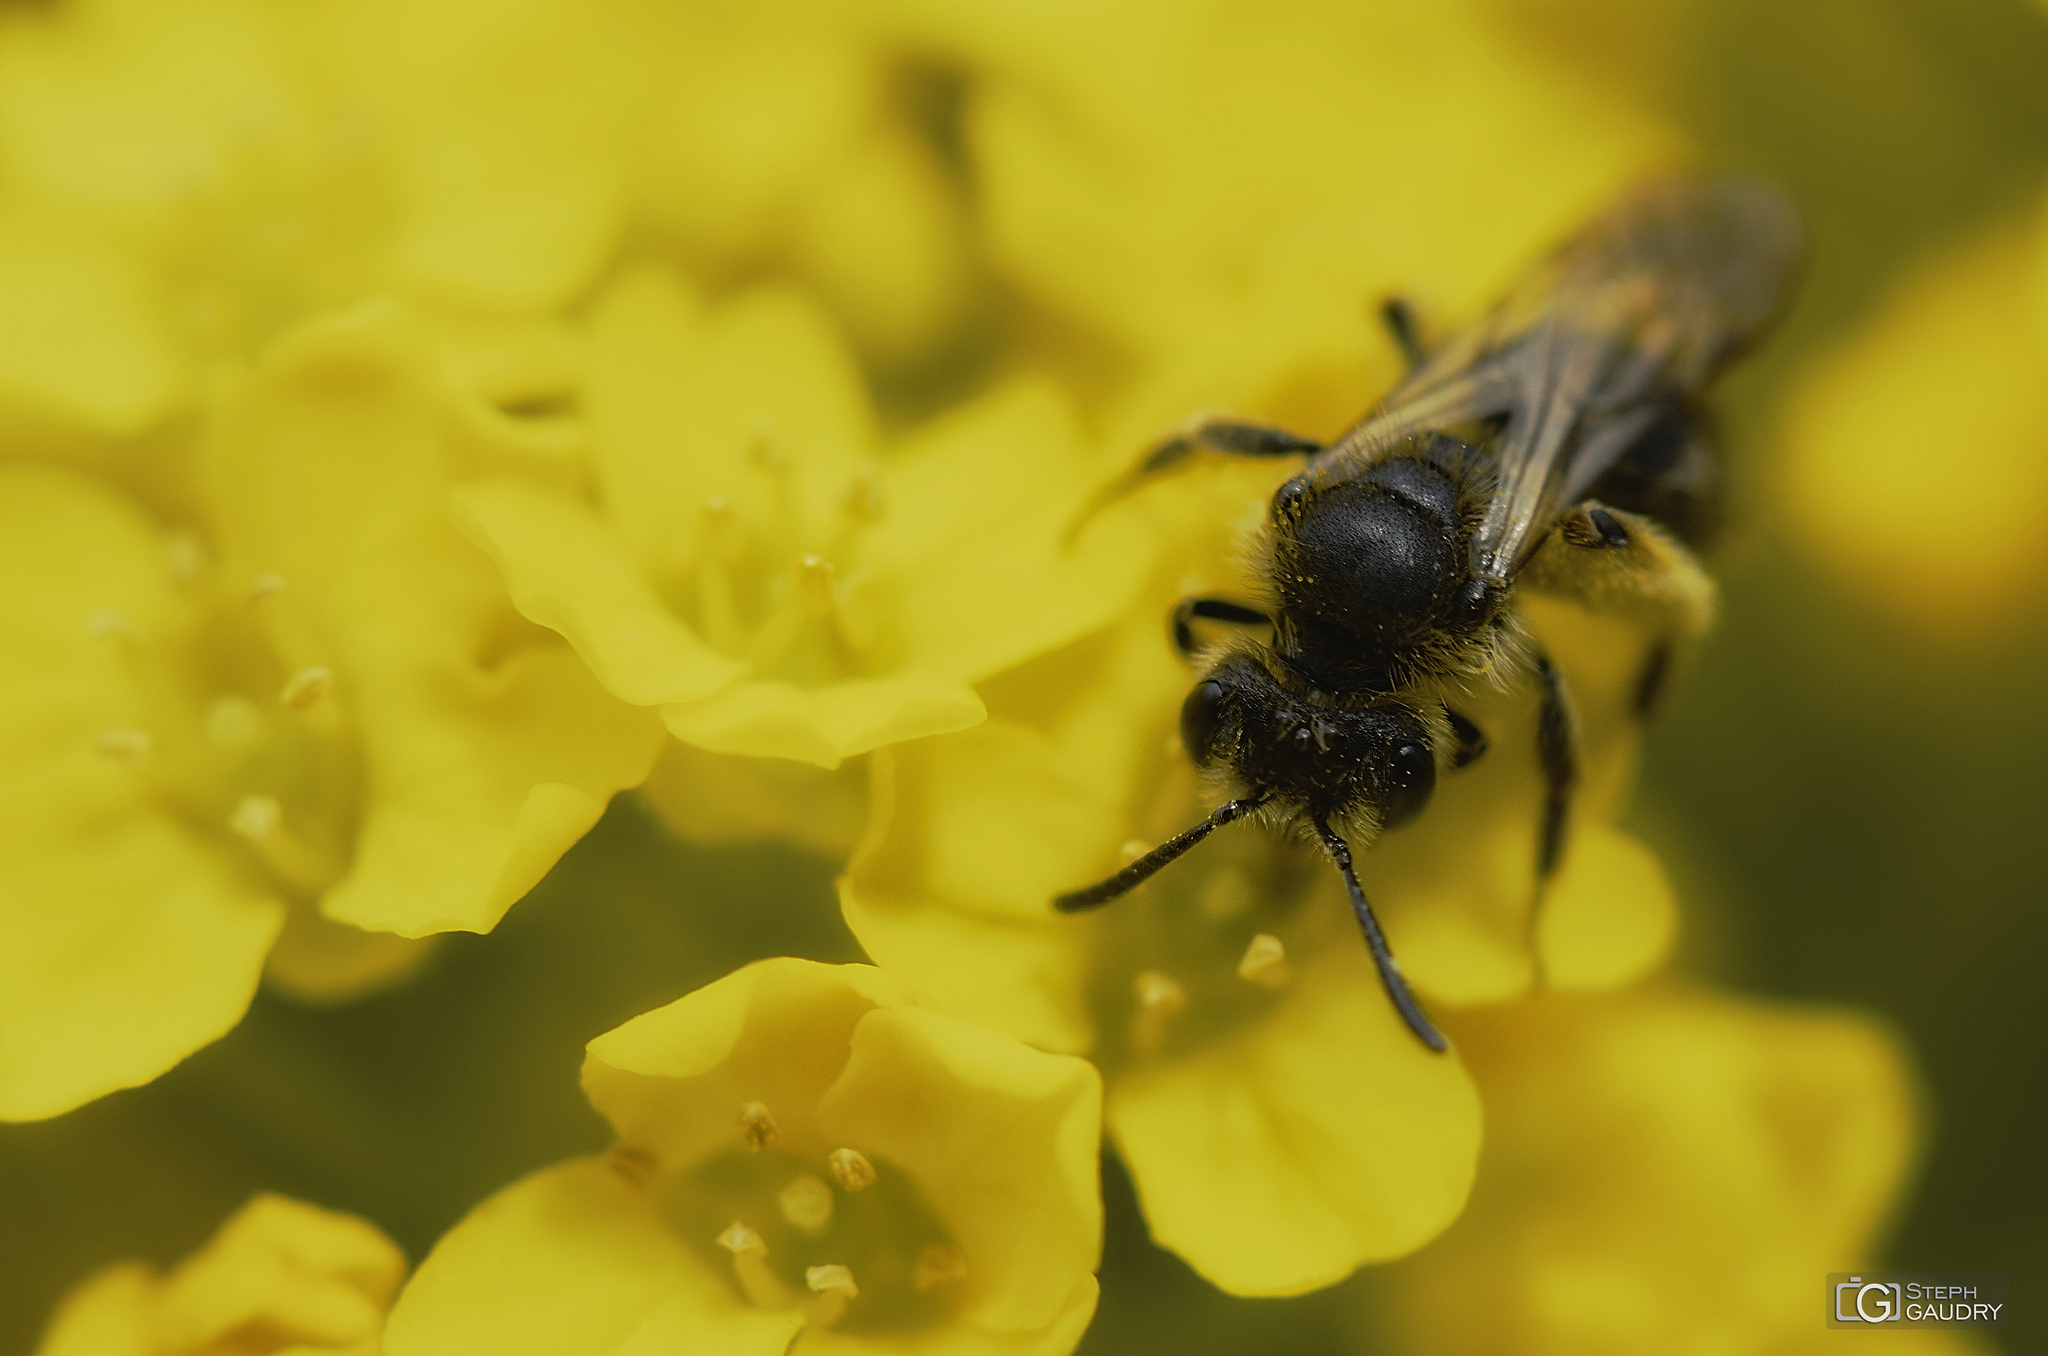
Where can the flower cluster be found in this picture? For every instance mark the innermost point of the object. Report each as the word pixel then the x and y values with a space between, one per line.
pixel 422 422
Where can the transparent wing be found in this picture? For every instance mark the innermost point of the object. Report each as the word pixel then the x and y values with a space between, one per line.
pixel 1641 308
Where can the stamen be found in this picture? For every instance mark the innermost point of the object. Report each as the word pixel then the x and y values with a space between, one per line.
pixel 864 498
pixel 723 545
pixel 833 1285
pixel 1159 993
pixel 255 817
pixel 758 1127
pixel 807 1203
pixel 852 1169
pixel 304 689
pixel 1160 1000
pixel 264 587
pixel 184 556
pixel 1265 962
pixel 739 1239
pixel 124 744
pixel 833 1278
pixel 815 580
pixel 750 1267
pixel 108 622
pixel 938 1264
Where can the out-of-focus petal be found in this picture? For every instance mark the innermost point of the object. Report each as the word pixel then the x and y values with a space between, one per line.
pixel 991 492
pixel 1955 364
pixel 78 342
pixel 481 763
pixel 279 1275
pixel 128 942
pixel 1645 1147
pixel 508 136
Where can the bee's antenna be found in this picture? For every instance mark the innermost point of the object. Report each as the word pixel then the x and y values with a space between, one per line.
pixel 1375 941
pixel 1143 869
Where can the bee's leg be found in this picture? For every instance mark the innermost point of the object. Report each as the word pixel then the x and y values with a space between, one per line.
pixel 1471 740
pixel 1209 609
pixel 1557 750
pixel 1398 315
pixel 1231 437
pixel 1611 561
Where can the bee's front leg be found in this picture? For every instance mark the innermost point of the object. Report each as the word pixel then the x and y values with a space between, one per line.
pixel 1230 437
pixel 1209 609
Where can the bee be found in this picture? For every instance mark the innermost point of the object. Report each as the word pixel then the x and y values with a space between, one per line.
pixel 1560 445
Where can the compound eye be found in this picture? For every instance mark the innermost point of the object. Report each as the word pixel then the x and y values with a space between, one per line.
pixel 1411 777
pixel 1201 721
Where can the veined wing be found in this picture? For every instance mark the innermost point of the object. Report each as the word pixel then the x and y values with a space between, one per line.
pixel 1639 309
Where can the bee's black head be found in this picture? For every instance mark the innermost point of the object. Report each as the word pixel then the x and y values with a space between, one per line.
pixel 1336 762
pixel 1370 569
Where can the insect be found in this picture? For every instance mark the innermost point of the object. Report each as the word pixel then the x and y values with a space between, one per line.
pixel 1560 445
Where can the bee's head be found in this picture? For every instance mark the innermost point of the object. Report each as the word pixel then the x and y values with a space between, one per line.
pixel 1243 724
pixel 1369 568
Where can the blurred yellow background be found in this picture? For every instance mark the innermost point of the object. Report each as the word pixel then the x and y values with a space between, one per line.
pixel 1845 785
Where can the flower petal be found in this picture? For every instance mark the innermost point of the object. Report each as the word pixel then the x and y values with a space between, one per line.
pixel 757 402
pixel 1650 1146
pixel 565 573
pixel 126 941
pixel 1012 977
pixel 575 1259
pixel 1609 917
pixel 1324 1138
pixel 482 760
pixel 769 718
pixel 507 139
pixel 777 1031
pixel 77 340
pixel 991 491
pixel 1005 1141
pixel 1957 357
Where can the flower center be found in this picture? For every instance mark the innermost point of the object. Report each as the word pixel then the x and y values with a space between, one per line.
pixel 240 745
pixel 850 1239
pixel 761 574
pixel 1210 945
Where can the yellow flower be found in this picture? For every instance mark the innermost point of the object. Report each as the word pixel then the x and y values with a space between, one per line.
pixel 1229 1001
pixel 1952 371
pixel 311 710
pixel 1217 197
pixel 759 572
pixel 277 1276
pixel 784 136
pixel 802 1149
pixel 181 187
pixel 1666 1170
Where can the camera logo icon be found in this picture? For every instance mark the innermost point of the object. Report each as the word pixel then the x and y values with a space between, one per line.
pixel 1860 1301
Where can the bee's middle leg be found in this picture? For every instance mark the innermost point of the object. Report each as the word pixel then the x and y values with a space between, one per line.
pixel 1209 609
pixel 1557 751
